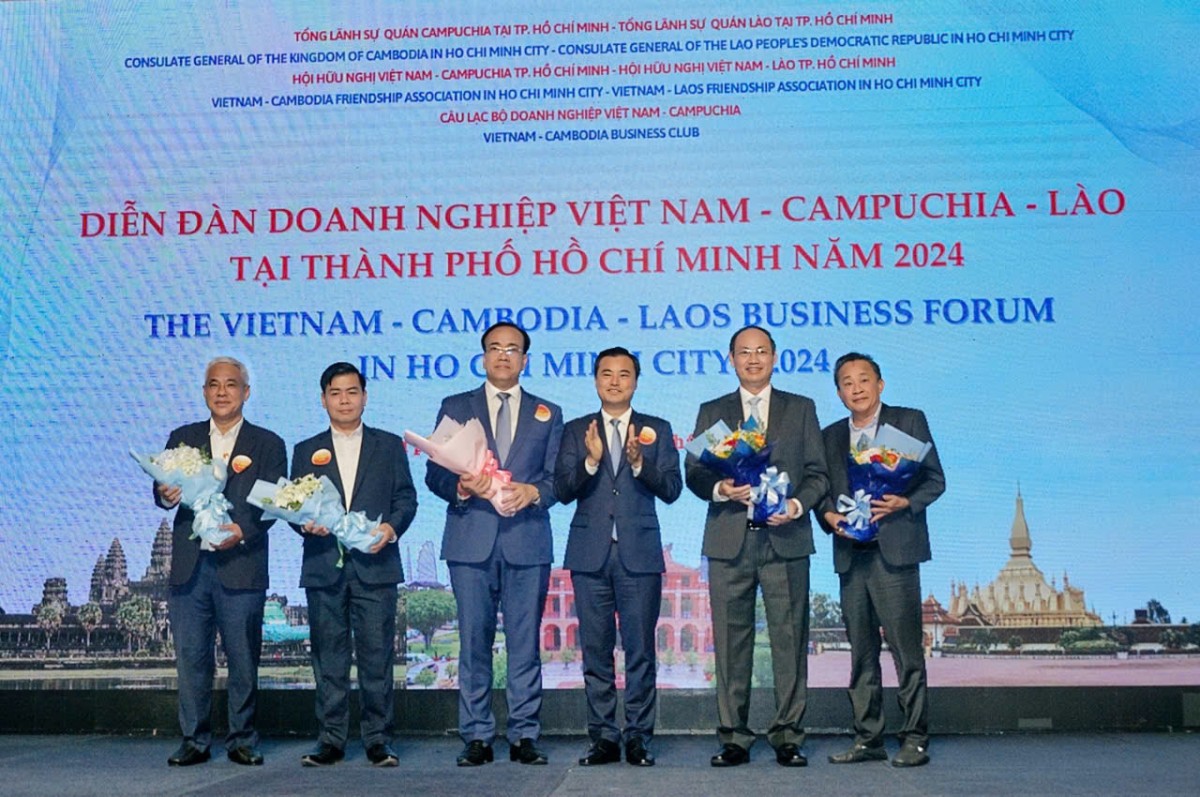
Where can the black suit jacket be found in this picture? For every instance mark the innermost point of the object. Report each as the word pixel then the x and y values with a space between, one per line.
pixel 244 566
pixel 605 498
pixel 904 535
pixel 797 450
pixel 383 487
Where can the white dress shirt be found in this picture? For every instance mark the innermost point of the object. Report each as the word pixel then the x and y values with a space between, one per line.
pixel 347 446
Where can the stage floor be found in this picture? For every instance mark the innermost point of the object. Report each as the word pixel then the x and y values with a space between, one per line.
pixel 1013 764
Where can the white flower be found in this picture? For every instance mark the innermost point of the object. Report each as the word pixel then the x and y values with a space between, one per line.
pixel 292 495
pixel 183 458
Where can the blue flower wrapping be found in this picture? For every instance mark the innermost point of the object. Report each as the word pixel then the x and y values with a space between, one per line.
pixel 744 465
pixel 200 492
pixel 868 481
pixel 769 496
pixel 324 508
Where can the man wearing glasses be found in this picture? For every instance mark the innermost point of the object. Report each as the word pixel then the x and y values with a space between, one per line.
pixel 742 556
pixel 223 588
pixel 499 560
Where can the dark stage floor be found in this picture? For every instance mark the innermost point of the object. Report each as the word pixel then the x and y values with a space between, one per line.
pixel 1058 764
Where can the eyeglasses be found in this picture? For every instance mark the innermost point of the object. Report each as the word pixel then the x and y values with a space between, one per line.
pixel 761 351
pixel 496 348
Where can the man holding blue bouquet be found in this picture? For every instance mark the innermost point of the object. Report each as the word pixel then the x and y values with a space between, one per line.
pixel 743 555
pixel 880 577
pixel 352 593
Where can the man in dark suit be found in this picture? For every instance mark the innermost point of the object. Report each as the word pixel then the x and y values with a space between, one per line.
pixel 501 561
pixel 352 592
pixel 225 588
pixel 742 556
pixel 881 579
pixel 614 551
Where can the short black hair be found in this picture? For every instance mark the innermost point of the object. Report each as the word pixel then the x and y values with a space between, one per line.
pixel 850 357
pixel 617 351
pixel 747 328
pixel 341 369
pixel 511 325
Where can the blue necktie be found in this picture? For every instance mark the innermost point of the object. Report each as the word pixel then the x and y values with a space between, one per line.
pixel 754 402
pixel 615 445
pixel 503 428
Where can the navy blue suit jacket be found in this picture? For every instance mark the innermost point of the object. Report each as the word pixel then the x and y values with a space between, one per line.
pixel 383 490
pixel 244 566
pixel 903 535
pixel 605 498
pixel 474 527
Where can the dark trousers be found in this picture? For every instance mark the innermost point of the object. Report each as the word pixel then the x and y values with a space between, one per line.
pixel 199 609
pixel 366 612
pixel 600 598
pixel 519 591
pixel 733 586
pixel 875 594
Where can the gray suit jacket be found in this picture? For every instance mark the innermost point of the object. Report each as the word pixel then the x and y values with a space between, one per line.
pixel 904 535
pixel 797 450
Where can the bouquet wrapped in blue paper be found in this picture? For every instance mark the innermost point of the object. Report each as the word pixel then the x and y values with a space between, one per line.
pixel 883 468
pixel 770 495
pixel 742 455
pixel 201 481
pixel 316 499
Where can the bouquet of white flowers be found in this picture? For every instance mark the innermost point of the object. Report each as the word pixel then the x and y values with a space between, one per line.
pixel 316 499
pixel 201 481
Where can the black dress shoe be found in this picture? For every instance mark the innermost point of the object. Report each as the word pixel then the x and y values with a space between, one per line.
pixel 475 754
pixel 324 755
pixel 731 756
pixel 246 756
pixel 381 754
pixel 789 755
pixel 187 755
pixel 601 752
pixel 637 754
pixel 860 753
pixel 526 752
pixel 912 754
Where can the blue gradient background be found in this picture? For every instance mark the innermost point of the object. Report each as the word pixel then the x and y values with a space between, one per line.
pixel 1094 415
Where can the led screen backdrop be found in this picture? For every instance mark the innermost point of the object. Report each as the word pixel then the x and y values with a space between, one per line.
pixel 997 200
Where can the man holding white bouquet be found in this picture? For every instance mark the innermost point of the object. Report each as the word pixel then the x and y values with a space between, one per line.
pixel 352 592
pixel 221 587
pixel 878 554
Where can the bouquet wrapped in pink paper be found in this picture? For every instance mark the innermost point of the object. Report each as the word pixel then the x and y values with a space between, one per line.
pixel 310 498
pixel 201 481
pixel 461 448
pixel 885 467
